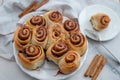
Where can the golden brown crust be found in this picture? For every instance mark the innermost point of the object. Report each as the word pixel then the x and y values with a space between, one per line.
pixel 78 42
pixel 71 26
pixel 22 37
pixel 56 51
pixel 70 62
pixel 36 21
pixel 32 57
pixel 53 17
pixel 100 21
pixel 61 40
pixel 40 36
pixel 55 32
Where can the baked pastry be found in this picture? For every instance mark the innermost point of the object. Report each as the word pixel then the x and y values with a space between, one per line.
pixel 70 62
pixel 53 17
pixel 36 20
pixel 40 36
pixel 100 21
pixel 32 57
pixel 22 37
pixel 71 26
pixel 52 36
pixel 56 51
pixel 55 32
pixel 78 42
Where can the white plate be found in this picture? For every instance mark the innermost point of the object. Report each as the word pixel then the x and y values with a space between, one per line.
pixel 49 69
pixel 106 34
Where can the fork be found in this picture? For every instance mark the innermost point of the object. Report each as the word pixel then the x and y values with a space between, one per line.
pixel 96 36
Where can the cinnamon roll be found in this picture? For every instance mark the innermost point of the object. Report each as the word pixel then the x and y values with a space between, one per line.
pixel 32 57
pixel 22 37
pixel 78 42
pixel 71 26
pixel 53 17
pixel 56 51
pixel 70 62
pixel 36 20
pixel 100 21
pixel 40 36
pixel 55 32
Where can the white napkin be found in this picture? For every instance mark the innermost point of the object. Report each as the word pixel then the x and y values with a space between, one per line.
pixel 11 8
pixel 9 17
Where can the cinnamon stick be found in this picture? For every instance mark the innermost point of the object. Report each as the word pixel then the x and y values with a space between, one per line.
pixel 87 73
pixel 29 7
pixel 33 7
pixel 40 4
pixel 99 69
pixel 96 66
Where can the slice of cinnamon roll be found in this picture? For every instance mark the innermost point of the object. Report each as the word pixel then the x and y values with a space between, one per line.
pixel 36 21
pixel 100 21
pixel 56 51
pixel 40 36
pixel 32 57
pixel 78 42
pixel 53 17
pixel 70 62
pixel 71 26
pixel 22 37
pixel 55 32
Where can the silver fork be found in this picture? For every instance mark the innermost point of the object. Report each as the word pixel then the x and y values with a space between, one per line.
pixel 96 36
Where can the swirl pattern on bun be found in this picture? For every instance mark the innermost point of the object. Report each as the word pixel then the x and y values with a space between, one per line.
pixel 78 42
pixel 53 17
pixel 100 21
pixel 22 37
pixel 56 51
pixel 32 57
pixel 40 36
pixel 71 26
pixel 70 62
pixel 36 21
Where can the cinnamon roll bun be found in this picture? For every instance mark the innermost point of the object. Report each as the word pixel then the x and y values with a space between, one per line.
pixel 70 62
pixel 53 17
pixel 55 32
pixel 71 26
pixel 56 51
pixel 40 36
pixel 36 21
pixel 100 21
pixel 32 57
pixel 22 37
pixel 78 42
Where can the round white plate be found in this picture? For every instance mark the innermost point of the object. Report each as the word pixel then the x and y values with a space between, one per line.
pixel 49 69
pixel 104 35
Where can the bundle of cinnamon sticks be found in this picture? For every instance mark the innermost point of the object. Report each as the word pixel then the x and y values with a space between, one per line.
pixel 95 67
pixel 32 7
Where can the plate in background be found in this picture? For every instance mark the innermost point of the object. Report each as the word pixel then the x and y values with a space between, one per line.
pixel 107 34
pixel 49 69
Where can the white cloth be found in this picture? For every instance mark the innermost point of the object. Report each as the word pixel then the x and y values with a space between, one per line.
pixel 6 44
pixel 10 10
pixel 9 17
